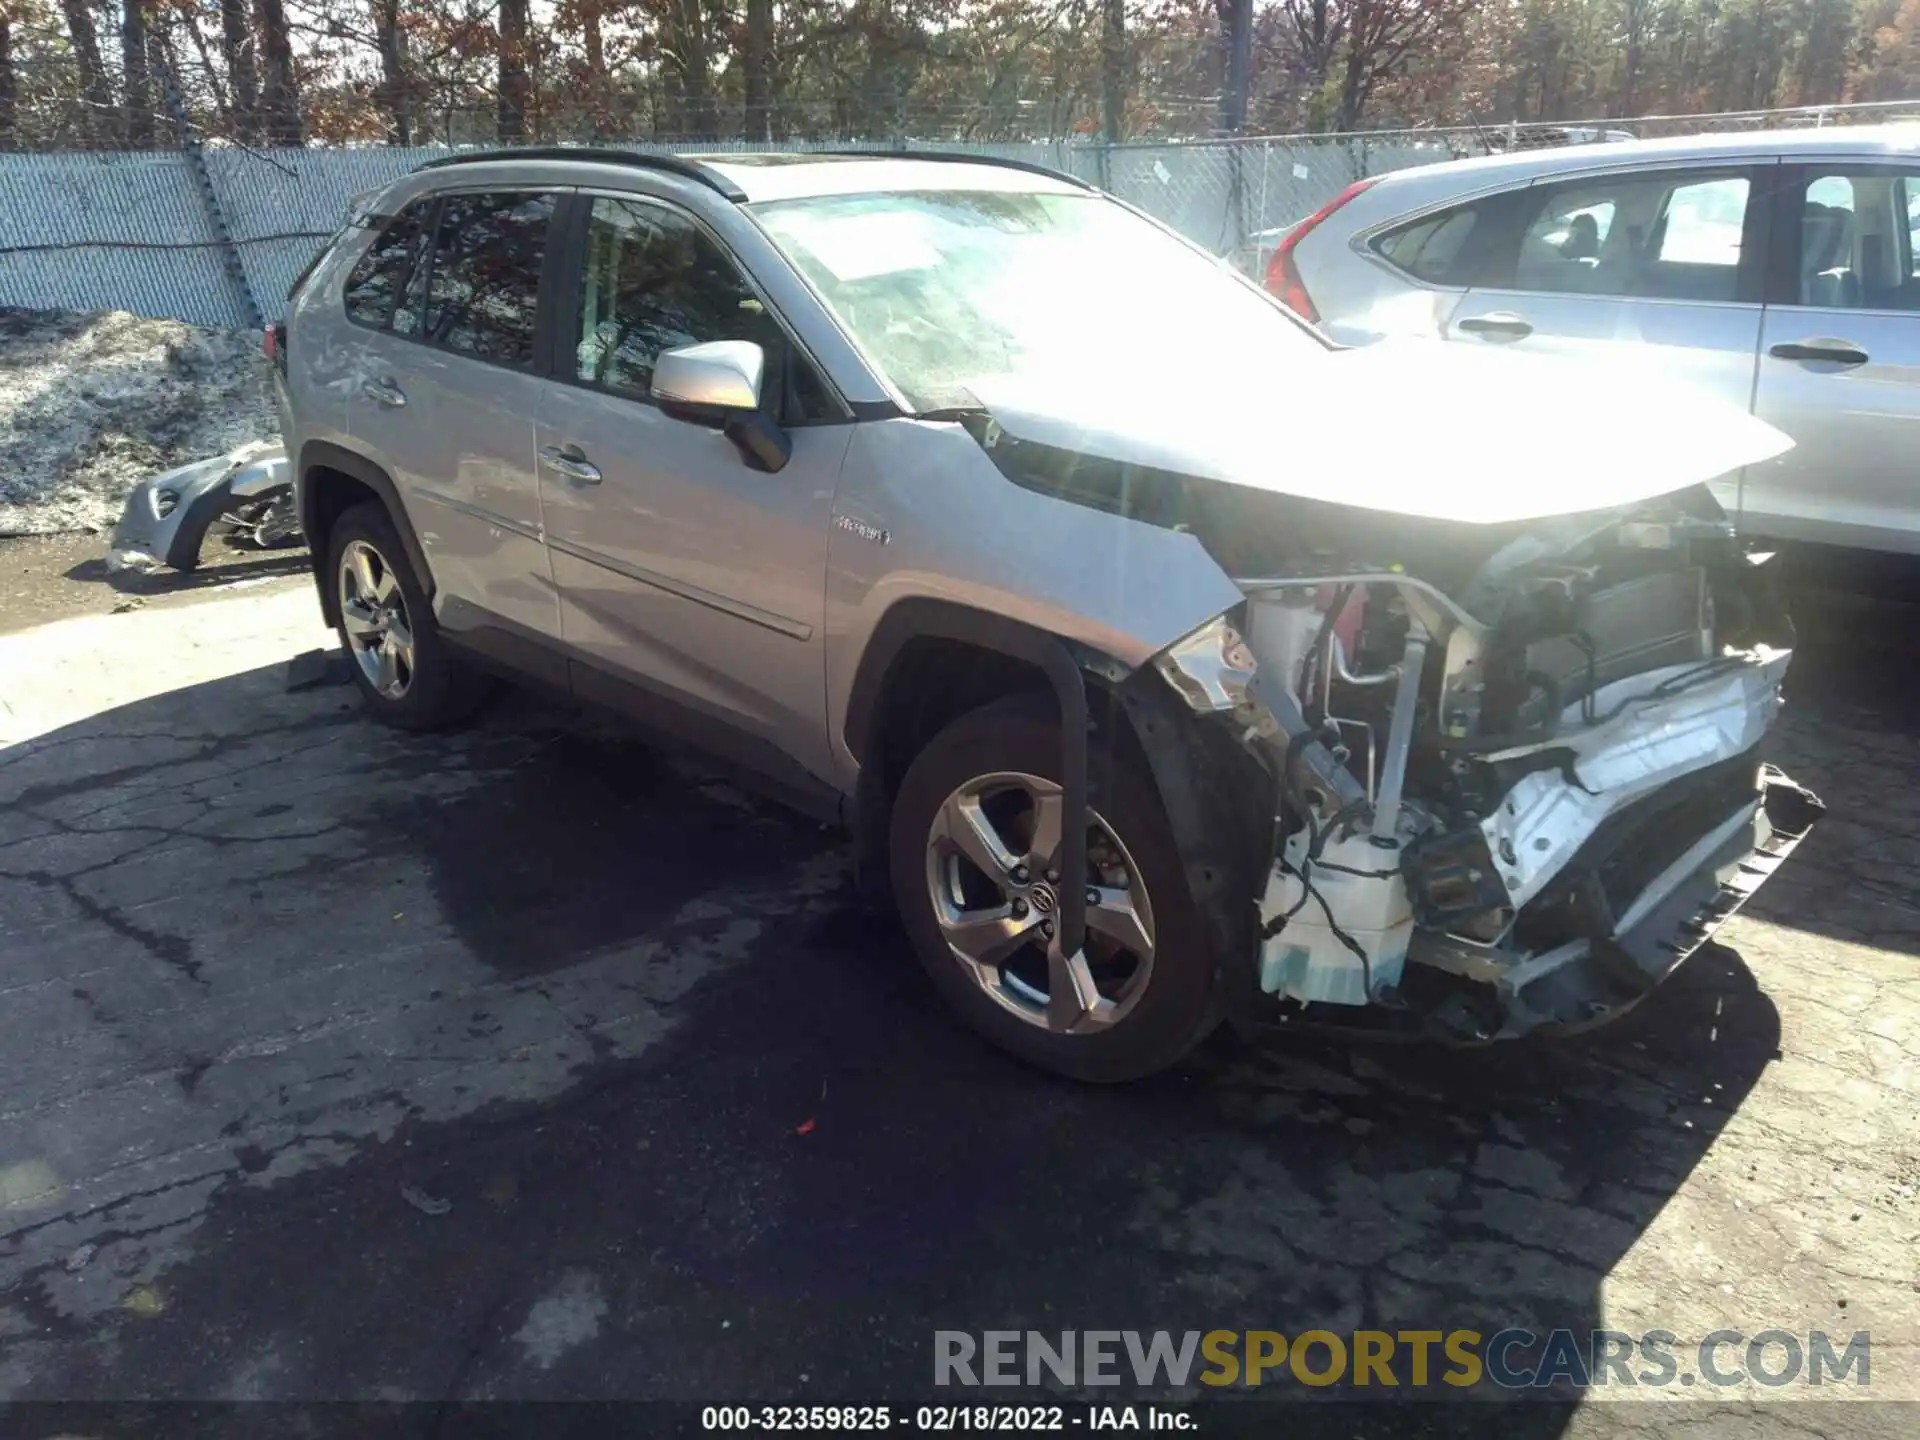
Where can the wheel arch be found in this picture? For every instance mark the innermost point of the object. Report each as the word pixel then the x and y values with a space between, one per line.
pixel 927 663
pixel 931 661
pixel 329 481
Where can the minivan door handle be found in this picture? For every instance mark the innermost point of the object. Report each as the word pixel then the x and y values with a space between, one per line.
pixel 570 461
pixel 1834 352
pixel 1500 325
pixel 384 392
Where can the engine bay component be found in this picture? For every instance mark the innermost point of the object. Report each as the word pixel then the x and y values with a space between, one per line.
pixel 1508 791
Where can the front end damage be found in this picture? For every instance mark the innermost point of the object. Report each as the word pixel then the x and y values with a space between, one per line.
pixel 1516 766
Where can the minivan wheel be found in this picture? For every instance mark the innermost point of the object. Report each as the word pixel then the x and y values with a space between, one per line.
pixel 975 851
pixel 406 672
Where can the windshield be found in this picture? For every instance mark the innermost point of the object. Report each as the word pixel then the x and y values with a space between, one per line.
pixel 945 291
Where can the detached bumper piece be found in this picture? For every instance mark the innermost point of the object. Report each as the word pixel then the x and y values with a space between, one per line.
pixel 1650 890
pixel 166 517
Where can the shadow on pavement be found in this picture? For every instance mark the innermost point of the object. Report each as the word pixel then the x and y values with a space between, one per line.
pixel 219 565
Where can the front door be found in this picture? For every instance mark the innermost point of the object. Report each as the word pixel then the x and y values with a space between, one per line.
pixel 680 569
pixel 1840 362
pixel 1646 268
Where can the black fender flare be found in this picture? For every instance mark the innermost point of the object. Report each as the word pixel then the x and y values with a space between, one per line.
pixel 923 617
pixel 323 454
pixel 1063 664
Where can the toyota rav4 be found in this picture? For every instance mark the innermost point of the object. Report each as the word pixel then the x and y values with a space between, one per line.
pixel 1169 664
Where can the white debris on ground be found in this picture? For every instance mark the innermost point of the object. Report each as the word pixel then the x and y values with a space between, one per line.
pixel 90 405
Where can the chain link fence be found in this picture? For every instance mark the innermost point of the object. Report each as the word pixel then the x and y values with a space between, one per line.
pixel 215 235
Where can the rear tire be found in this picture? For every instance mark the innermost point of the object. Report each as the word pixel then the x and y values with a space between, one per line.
pixel 976 924
pixel 406 672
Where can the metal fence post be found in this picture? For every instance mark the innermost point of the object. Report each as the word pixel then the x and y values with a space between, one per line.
pixel 195 160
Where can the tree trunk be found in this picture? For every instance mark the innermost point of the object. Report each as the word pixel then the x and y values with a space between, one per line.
pixel 1356 84
pixel 137 77
pixel 279 86
pixel 396 81
pixel 1237 38
pixel 757 60
pixel 243 75
pixel 7 134
pixel 600 109
pixel 1113 69
pixel 93 75
pixel 514 91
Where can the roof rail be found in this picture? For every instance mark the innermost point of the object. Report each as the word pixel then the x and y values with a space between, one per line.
pixel 593 154
pixel 952 157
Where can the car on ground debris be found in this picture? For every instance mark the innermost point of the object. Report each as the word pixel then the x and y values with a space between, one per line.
pixel 1168 665
pixel 1778 270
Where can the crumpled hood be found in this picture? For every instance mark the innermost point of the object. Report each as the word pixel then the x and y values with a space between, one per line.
pixel 1414 427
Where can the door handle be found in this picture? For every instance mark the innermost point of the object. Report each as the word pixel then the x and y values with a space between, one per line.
pixel 384 392
pixel 570 461
pixel 1835 352
pixel 1500 325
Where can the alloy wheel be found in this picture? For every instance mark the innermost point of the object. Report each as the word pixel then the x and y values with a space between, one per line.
pixel 373 613
pixel 993 855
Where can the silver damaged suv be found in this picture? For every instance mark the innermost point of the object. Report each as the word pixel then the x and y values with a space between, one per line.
pixel 1170 665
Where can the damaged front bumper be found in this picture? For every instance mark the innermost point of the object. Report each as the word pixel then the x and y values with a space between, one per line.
pixel 1636 901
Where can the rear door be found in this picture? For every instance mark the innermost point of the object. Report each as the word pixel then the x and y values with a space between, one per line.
pixel 443 390
pixel 1660 267
pixel 1840 359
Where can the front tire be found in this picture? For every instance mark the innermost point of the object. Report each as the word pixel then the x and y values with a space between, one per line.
pixel 403 666
pixel 974 850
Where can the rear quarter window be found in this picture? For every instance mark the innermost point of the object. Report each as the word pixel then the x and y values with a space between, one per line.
pixel 383 289
pixel 1435 248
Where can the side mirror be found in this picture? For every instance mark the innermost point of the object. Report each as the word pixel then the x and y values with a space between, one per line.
pixel 717 375
pixel 719 382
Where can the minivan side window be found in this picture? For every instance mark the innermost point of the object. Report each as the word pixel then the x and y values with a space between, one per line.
pixel 382 290
pixel 653 281
pixel 1859 229
pixel 1670 236
pixel 485 288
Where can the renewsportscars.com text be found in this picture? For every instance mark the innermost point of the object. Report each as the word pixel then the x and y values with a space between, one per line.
pixel 1513 1359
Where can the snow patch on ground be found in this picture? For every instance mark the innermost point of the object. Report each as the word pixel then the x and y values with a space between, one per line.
pixel 90 405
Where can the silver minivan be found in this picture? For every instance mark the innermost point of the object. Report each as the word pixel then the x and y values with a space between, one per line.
pixel 1779 271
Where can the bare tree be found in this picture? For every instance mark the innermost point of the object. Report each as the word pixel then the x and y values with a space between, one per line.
pixel 96 95
pixel 687 66
pixel 136 77
pixel 396 88
pixel 1355 44
pixel 279 84
pixel 515 90
pixel 243 73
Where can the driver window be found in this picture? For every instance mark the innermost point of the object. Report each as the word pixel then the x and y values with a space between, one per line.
pixel 653 281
